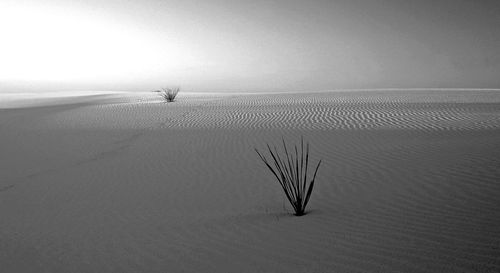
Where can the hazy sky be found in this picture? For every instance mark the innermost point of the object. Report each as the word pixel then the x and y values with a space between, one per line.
pixel 231 45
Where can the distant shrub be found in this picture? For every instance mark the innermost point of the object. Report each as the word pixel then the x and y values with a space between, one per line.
pixel 169 94
pixel 290 169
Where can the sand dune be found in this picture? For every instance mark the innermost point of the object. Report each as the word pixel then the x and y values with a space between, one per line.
pixel 321 111
pixel 127 183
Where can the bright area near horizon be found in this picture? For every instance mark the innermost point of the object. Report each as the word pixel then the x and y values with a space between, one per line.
pixel 247 45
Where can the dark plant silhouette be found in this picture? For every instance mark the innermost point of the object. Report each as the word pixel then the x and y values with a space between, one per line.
pixel 290 169
pixel 169 94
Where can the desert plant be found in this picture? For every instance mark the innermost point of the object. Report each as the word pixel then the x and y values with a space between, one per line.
pixel 290 169
pixel 169 94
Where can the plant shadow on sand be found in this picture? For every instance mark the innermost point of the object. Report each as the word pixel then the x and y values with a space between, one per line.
pixel 262 217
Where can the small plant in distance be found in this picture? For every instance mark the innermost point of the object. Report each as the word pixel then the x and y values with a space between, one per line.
pixel 169 94
pixel 290 169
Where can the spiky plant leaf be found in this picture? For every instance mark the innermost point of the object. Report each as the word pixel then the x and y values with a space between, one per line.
pixel 290 169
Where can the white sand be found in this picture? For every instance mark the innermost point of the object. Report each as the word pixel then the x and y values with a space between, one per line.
pixel 125 183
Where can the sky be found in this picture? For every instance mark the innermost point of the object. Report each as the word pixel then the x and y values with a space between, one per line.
pixel 239 46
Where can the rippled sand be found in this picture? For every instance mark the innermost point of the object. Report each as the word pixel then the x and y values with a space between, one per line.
pixel 410 182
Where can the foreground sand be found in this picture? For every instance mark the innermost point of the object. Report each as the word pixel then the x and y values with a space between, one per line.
pixel 410 182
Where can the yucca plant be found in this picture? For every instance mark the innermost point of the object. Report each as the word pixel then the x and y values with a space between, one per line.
pixel 290 169
pixel 169 94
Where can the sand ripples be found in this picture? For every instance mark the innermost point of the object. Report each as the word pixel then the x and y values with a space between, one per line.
pixel 417 110
pixel 332 110
pixel 408 183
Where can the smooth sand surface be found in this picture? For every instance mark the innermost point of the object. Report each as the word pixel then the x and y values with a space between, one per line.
pixel 410 182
